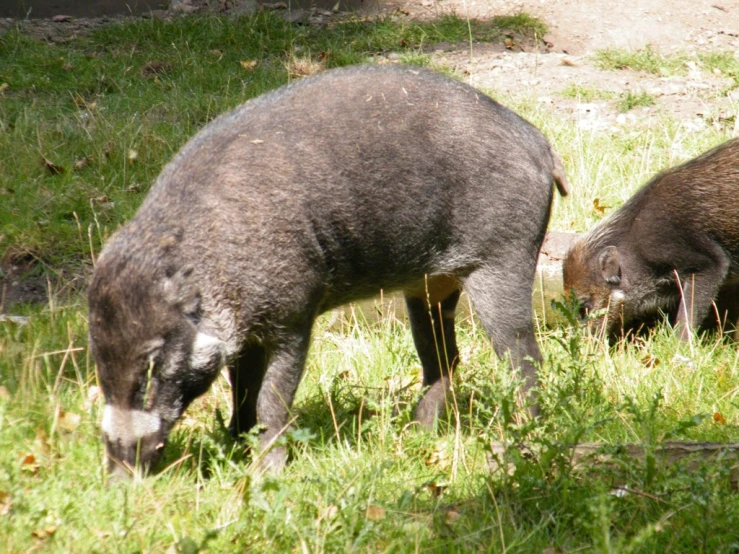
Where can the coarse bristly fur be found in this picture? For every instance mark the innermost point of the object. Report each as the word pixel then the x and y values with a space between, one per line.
pixel 673 248
pixel 317 194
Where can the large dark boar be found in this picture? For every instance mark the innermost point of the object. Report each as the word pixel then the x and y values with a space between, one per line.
pixel 672 248
pixel 314 195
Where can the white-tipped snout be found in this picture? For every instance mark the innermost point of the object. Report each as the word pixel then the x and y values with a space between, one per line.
pixel 128 426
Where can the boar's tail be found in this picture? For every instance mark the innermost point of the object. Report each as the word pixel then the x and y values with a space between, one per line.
pixel 558 174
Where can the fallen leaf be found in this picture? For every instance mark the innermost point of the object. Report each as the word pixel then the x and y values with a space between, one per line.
pixel 303 66
pixel 451 516
pixel 650 361
pixel 331 512
pixel 62 18
pixel 133 187
pixel 4 87
pixel 68 421
pixel 29 463
pixel 41 442
pixel 436 489
pixel 439 457
pixel 152 69
pixel 82 163
pixel 718 418
pixel 375 513
pixel 51 167
pixel 5 503
pixel 249 65
pixel 132 155
pixel 599 208
pixel 44 533
pixel 509 43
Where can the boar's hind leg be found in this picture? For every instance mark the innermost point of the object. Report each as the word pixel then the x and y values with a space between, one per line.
pixel 698 291
pixel 286 360
pixel 502 301
pixel 246 380
pixel 431 314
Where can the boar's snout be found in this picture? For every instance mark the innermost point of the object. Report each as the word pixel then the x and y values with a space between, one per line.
pixel 134 440
pixel 593 277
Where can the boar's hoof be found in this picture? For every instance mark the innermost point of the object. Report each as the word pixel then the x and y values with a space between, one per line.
pixel 432 404
pixel 272 461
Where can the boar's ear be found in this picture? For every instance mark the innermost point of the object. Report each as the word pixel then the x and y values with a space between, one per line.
pixel 181 290
pixel 208 353
pixel 610 265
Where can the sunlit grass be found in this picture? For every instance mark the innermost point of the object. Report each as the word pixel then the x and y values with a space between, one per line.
pixel 361 474
pixel 362 477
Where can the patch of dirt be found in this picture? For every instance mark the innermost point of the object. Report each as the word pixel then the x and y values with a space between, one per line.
pixel 20 283
pixel 577 29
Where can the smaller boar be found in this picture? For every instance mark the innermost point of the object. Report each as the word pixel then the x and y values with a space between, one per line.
pixel 309 197
pixel 673 248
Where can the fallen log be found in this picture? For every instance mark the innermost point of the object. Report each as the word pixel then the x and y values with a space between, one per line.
pixel 588 456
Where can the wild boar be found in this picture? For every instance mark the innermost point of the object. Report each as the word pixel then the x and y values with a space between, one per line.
pixel 320 193
pixel 673 248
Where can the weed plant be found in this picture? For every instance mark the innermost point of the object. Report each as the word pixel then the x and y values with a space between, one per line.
pixel 362 476
pixel 650 61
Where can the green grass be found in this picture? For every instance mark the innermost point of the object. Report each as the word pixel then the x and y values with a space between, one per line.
pixel 626 101
pixel 522 23
pixel 585 94
pixel 646 60
pixel 361 477
pixel 85 127
pixel 650 61
pixel 632 100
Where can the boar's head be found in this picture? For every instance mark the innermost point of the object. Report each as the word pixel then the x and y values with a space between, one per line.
pixel 593 275
pixel 151 358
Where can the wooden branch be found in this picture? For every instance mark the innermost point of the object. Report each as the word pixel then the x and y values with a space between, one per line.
pixel 598 455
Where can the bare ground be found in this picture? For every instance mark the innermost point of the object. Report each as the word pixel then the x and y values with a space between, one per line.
pixel 578 29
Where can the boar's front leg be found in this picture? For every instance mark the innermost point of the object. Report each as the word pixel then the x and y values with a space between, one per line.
pixel 727 308
pixel 285 363
pixel 502 302
pixel 246 380
pixel 699 289
pixel 432 325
